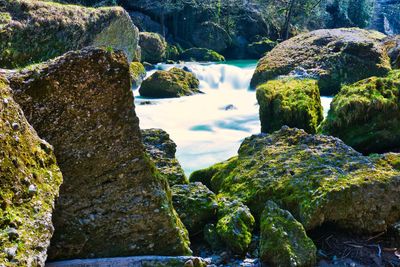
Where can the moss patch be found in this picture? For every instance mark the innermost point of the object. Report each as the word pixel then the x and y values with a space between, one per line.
pixel 137 72
pixel 201 54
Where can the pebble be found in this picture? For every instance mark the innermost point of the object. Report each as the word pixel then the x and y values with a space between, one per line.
pixel 32 189
pixel 15 126
pixel 11 252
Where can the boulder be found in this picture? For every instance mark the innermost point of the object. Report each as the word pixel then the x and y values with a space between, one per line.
pixel 113 202
pixel 195 204
pixel 392 44
pixel 173 83
pixel 201 54
pixel 162 152
pixel 333 57
pixel 366 116
pixel 52 29
pixel 283 240
pixel 30 181
pixel 145 23
pixel 138 73
pixel 317 178
pixel 153 47
pixel 212 36
pixel 291 102
pixel 259 48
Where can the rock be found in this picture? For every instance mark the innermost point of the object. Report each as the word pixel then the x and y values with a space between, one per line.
pixel 83 104
pixel 201 54
pixel 195 204
pixel 153 47
pixel 138 73
pixel 284 241
pixel 333 57
pixel 52 29
pixel 212 36
pixel 317 178
pixel 25 161
pixel 235 225
pixel 291 102
pixel 366 115
pixel 173 83
pixel 162 152
pixel 259 48
pixel 392 45
pixel 145 23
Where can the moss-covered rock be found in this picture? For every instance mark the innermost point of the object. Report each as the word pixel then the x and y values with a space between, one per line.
pixel 259 48
pixel 317 178
pixel 283 240
pixel 366 115
pixel 173 83
pixel 195 204
pixel 35 31
pixel 212 36
pixel 29 183
pixel 138 73
pixel 162 152
pixel 291 102
pixel 153 46
pixel 392 45
pixel 333 57
pixel 201 54
pixel 113 201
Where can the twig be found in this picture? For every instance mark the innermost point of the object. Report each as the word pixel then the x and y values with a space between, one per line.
pixel 375 236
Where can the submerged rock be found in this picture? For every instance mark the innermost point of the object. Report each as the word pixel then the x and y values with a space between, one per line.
pixel 29 183
pixel 153 46
pixel 283 240
pixel 173 83
pixel 162 152
pixel 201 54
pixel 291 102
pixel 366 115
pixel 333 57
pixel 138 73
pixel 51 29
pixel 113 202
pixel 317 178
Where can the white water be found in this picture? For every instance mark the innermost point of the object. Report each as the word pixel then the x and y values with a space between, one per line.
pixel 205 131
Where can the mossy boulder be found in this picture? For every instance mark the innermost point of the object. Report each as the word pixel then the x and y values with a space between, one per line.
pixel 195 204
pixel 212 36
pixel 333 57
pixel 35 31
pixel 113 201
pixel 283 240
pixel 162 152
pixel 317 178
pixel 366 115
pixel 292 102
pixel 29 183
pixel 259 48
pixel 173 83
pixel 201 54
pixel 138 73
pixel 153 46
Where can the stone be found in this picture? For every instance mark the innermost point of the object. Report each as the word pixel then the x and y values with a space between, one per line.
pixel 162 152
pixel 201 54
pixel 291 102
pixel 333 57
pixel 51 29
pixel 366 116
pixel 83 104
pixel 283 240
pixel 212 36
pixel 138 73
pixel 25 161
pixel 258 49
pixel 153 46
pixel 173 83
pixel 392 45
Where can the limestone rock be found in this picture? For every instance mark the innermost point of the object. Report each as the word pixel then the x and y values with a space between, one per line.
pixel 113 202
pixel 29 183
pixel 37 31
pixel 153 47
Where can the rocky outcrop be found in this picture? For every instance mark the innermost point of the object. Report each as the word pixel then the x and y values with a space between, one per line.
pixel 201 54
pixel 333 57
pixel 283 240
pixel 173 83
pixel 153 47
pixel 212 36
pixel 113 202
pixel 291 102
pixel 162 152
pixel 30 180
pixel 138 73
pixel 52 29
pixel 317 178
pixel 366 115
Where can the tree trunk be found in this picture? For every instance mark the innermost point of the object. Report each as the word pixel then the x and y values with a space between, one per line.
pixel 288 19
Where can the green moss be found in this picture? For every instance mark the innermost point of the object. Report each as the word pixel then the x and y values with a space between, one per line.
pixel 291 102
pixel 201 54
pixel 137 72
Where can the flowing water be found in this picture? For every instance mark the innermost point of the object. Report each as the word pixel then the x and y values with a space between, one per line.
pixel 207 128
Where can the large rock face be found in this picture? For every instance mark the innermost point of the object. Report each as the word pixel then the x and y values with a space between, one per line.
pixel 212 36
pixel 29 184
pixel 317 178
pixel 52 29
pixel 112 202
pixel 332 56
pixel 366 115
